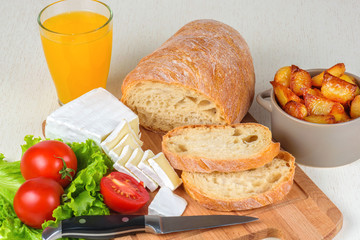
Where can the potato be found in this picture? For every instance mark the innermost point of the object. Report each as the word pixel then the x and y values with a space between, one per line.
pixel 348 78
pixel 317 105
pixel 339 113
pixel 299 80
pixel 355 107
pixel 283 75
pixel 324 119
pixel 337 89
pixel 336 70
pixel 296 109
pixel 284 94
pixel 312 91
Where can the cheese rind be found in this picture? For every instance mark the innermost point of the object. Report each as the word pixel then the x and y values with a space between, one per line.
pixel 121 130
pixel 132 163
pixel 165 171
pixel 128 140
pixel 167 203
pixel 147 169
pixel 91 116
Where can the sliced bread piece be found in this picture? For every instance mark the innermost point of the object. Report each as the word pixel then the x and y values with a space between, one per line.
pixel 242 190
pixel 223 148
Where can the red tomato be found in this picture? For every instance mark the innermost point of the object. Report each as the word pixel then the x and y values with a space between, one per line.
pixel 122 193
pixel 36 199
pixel 51 159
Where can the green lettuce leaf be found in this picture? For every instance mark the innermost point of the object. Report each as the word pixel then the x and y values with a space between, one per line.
pixel 11 178
pixel 10 225
pixel 29 142
pixel 82 196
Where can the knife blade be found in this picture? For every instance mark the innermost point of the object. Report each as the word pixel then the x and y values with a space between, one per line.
pixel 112 226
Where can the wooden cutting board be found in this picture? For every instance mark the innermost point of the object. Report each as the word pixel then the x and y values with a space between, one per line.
pixel 305 213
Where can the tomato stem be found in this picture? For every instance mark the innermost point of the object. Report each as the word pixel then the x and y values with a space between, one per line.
pixel 65 171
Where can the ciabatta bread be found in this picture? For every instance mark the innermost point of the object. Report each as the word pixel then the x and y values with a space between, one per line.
pixel 242 190
pixel 223 148
pixel 203 74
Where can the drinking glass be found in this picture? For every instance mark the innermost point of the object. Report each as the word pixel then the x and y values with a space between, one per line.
pixel 76 36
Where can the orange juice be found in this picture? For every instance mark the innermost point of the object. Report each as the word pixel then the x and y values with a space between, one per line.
pixel 77 47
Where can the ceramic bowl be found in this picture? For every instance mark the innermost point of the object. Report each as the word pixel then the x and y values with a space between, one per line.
pixel 313 144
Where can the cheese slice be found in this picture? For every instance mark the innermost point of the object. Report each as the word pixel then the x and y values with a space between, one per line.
pixel 147 169
pixel 117 135
pixel 167 203
pixel 121 161
pixel 165 171
pixel 132 163
pixel 91 116
pixel 128 140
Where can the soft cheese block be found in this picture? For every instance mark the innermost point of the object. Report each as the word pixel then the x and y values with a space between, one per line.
pixel 147 169
pixel 167 203
pixel 117 135
pixel 132 163
pixel 123 158
pixel 165 171
pixel 128 140
pixel 91 116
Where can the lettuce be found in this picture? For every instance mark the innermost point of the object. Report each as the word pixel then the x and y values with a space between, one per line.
pixel 10 225
pixel 82 196
pixel 11 178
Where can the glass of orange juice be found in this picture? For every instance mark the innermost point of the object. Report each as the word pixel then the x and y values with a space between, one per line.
pixel 77 39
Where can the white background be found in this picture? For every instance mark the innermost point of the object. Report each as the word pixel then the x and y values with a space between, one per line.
pixel 310 34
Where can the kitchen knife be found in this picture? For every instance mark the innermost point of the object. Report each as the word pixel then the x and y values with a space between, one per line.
pixel 111 226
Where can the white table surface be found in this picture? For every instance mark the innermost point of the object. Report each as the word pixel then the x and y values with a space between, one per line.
pixel 310 34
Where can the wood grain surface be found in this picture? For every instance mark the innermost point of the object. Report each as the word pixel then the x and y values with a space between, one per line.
pixel 305 213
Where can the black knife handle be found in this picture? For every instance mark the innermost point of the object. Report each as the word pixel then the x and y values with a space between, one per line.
pixel 102 227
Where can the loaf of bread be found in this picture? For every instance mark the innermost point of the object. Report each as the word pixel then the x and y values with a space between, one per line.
pixel 242 190
pixel 203 74
pixel 223 148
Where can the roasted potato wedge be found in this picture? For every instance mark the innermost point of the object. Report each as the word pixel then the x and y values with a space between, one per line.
pixel 296 109
pixel 337 89
pixel 312 91
pixel 317 105
pixel 323 119
pixel 339 113
pixel 284 94
pixel 299 80
pixel 336 70
pixel 355 107
pixel 283 75
pixel 348 78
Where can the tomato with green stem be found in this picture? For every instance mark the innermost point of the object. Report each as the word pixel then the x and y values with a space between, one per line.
pixel 51 159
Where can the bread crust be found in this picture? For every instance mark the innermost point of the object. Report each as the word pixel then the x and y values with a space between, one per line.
pixel 206 165
pixel 208 57
pixel 271 196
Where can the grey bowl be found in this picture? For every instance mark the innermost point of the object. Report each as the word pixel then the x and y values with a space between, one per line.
pixel 313 144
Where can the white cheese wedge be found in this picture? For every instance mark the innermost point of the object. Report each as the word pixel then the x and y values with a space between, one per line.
pixel 117 135
pixel 121 161
pixel 167 203
pixel 165 171
pixel 91 116
pixel 128 140
pixel 132 163
pixel 147 169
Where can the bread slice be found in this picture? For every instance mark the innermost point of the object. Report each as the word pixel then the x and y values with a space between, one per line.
pixel 242 190
pixel 223 148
